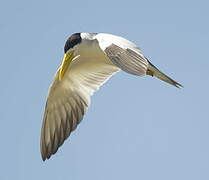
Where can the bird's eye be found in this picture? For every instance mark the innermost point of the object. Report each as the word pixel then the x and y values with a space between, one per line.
pixel 72 41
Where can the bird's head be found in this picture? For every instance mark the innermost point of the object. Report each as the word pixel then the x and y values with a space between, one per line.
pixel 69 49
pixel 72 41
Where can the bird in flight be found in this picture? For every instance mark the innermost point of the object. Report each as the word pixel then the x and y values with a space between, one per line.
pixel 90 59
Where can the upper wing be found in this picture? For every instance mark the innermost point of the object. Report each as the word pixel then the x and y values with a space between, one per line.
pixel 123 53
pixel 127 59
pixel 69 99
pixel 136 64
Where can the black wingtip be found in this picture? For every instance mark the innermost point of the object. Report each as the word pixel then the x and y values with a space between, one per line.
pixel 176 84
pixel 154 71
pixel 179 86
pixel 43 156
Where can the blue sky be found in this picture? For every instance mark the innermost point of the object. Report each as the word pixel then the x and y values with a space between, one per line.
pixel 136 128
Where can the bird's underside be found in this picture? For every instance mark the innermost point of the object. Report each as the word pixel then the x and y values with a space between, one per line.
pixel 80 75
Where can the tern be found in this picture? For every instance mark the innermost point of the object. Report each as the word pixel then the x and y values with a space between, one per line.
pixel 90 59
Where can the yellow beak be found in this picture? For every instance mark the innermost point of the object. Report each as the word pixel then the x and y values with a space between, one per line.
pixel 68 57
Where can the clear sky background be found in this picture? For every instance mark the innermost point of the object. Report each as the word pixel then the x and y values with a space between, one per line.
pixel 136 128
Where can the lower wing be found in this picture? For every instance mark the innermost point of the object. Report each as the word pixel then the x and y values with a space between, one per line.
pixel 69 99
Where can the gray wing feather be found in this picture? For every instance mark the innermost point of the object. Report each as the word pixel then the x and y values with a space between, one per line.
pixel 69 99
pixel 127 60
pixel 60 119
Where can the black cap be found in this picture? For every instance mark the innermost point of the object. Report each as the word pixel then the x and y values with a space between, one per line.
pixel 72 41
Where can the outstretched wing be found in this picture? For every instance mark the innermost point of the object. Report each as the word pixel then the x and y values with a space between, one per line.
pixel 69 99
pixel 135 63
